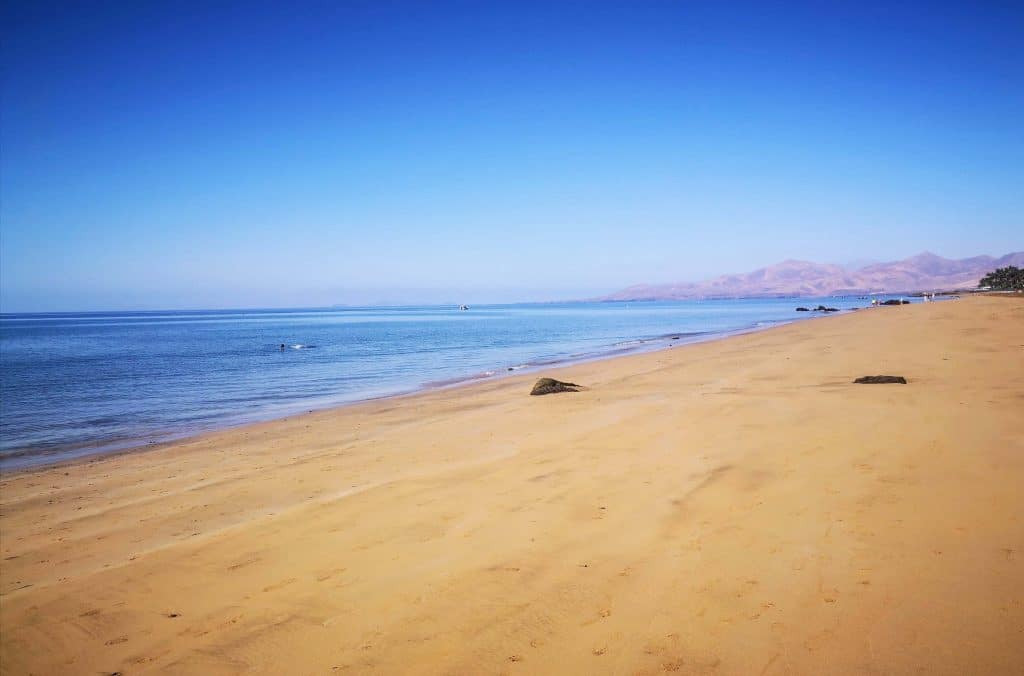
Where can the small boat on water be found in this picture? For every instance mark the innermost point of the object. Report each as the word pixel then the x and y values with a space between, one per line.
pixel 463 307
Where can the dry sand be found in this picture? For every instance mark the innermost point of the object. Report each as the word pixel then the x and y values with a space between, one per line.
pixel 735 507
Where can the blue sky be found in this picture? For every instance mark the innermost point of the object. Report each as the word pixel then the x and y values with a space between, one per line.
pixel 265 154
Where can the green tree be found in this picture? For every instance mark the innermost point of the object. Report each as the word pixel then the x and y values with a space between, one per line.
pixel 1010 278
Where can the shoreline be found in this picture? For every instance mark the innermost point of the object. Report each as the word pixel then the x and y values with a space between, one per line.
pixel 36 458
pixel 736 507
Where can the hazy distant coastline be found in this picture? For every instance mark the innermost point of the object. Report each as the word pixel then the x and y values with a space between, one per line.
pixel 792 278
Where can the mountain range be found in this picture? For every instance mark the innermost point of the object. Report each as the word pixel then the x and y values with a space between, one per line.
pixel 924 272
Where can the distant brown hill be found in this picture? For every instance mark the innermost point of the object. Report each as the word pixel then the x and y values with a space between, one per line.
pixel 924 272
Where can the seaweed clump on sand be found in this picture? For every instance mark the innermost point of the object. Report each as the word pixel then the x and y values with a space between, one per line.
pixel 550 386
pixel 880 380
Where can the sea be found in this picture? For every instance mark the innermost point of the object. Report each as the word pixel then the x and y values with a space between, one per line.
pixel 79 384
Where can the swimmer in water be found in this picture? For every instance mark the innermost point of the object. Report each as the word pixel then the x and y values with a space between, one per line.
pixel 282 347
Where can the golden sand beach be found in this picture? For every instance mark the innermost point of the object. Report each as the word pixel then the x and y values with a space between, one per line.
pixel 732 507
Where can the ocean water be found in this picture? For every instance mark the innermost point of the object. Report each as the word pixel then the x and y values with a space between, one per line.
pixel 78 384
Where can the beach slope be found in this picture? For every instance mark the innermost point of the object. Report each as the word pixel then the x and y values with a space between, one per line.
pixel 734 507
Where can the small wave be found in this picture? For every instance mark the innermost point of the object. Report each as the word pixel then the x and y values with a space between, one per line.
pixel 448 382
pixel 684 334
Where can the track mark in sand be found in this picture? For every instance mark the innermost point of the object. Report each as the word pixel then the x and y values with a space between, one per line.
pixel 818 640
pixel 601 614
pixel 115 641
pixel 770 662
pixel 279 585
pixel 503 569
pixel 242 564
pixel 90 613
pixel 708 479
pixel 515 658
pixel 323 577
pixel 1009 553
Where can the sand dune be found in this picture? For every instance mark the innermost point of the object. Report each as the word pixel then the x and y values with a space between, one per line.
pixel 735 507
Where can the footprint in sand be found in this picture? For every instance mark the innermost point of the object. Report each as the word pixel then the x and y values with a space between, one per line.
pixel 601 614
pixel 279 585
pixel 242 564
pixel 327 575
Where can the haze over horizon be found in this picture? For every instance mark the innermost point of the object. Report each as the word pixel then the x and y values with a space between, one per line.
pixel 240 156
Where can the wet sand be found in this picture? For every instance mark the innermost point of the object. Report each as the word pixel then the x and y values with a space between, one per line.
pixel 733 507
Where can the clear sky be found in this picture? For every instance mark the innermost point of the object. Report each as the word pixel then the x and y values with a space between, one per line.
pixel 269 154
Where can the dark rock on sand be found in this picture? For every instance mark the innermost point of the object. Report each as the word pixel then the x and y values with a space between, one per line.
pixel 880 380
pixel 895 302
pixel 822 308
pixel 550 386
pixel 803 309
